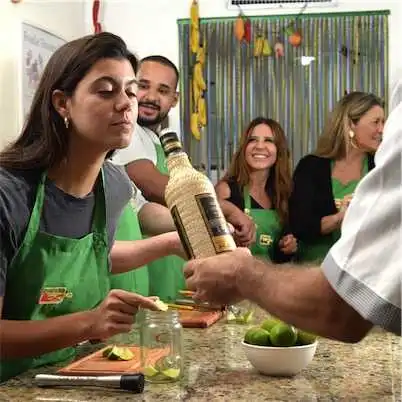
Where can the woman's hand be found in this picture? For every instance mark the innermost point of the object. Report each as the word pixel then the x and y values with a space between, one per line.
pixel 288 244
pixel 116 314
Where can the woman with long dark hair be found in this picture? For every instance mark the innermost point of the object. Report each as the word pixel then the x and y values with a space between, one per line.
pixel 60 201
pixel 258 182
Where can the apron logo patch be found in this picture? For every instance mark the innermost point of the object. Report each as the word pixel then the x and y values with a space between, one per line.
pixel 265 240
pixel 54 295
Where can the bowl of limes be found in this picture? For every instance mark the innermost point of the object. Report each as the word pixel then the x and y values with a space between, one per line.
pixel 277 349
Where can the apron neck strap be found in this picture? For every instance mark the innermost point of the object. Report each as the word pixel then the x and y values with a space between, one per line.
pixel 247 199
pixel 99 217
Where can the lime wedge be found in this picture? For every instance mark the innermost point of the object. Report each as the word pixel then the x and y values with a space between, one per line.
pixel 150 371
pixel 106 352
pixel 161 305
pixel 126 354
pixel 248 316
pixel 245 318
pixel 118 353
pixel 230 317
pixel 171 373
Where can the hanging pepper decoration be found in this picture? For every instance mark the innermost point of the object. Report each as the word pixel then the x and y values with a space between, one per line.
pixel 239 27
pixel 279 49
pixel 294 35
pixel 247 30
pixel 95 17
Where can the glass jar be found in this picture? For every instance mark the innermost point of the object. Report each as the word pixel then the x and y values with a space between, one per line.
pixel 161 346
pixel 241 313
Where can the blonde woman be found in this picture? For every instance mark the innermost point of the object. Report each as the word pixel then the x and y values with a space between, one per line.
pixel 324 181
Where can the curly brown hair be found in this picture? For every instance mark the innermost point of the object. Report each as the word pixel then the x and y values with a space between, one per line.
pixel 279 183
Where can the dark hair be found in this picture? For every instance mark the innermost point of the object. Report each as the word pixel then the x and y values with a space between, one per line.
pixel 279 183
pixel 164 61
pixel 43 141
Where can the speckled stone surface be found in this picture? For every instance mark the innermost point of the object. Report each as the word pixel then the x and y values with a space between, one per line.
pixel 217 370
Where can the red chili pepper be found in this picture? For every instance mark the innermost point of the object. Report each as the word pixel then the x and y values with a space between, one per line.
pixel 247 30
pixel 95 17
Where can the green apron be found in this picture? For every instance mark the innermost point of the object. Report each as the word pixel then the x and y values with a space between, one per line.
pixel 166 274
pixel 268 228
pixel 128 228
pixel 52 275
pixel 317 252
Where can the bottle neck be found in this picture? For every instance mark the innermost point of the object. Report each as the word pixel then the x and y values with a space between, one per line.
pixel 178 160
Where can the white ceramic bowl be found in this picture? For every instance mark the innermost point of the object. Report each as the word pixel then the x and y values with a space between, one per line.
pixel 276 361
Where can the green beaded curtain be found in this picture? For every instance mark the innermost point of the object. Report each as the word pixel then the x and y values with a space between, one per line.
pixel 350 51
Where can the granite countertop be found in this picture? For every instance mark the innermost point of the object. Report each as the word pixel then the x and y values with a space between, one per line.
pixel 217 370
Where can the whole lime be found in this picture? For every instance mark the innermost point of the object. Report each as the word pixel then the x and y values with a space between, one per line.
pixel 248 335
pixel 260 337
pixel 269 323
pixel 283 335
pixel 305 338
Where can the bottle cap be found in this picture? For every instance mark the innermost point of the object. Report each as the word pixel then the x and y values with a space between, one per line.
pixel 170 141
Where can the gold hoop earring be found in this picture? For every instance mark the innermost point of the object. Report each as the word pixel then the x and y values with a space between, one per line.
pixel 66 121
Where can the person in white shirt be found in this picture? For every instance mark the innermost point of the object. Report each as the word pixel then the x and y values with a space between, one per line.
pixel 358 284
pixel 144 160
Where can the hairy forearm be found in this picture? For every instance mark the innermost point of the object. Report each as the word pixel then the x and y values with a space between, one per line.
pixel 303 297
pixel 33 338
pixel 331 222
pixel 128 255
pixel 155 219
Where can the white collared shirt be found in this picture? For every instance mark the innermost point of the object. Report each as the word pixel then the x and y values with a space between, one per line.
pixel 365 265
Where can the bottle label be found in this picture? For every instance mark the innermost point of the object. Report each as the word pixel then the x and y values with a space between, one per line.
pixel 221 238
pixel 182 233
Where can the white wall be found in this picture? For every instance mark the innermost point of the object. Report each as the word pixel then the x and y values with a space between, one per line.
pixel 64 18
pixel 150 26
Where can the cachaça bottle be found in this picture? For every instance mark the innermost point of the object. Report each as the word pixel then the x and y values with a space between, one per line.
pixel 193 203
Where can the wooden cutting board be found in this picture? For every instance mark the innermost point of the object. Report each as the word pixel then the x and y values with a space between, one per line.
pixel 95 364
pixel 199 319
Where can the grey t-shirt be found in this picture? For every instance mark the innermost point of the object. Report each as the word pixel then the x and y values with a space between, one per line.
pixel 62 214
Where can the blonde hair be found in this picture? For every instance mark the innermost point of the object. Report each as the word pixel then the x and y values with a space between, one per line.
pixel 334 140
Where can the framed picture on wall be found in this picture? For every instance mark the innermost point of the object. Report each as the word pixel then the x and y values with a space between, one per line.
pixel 38 45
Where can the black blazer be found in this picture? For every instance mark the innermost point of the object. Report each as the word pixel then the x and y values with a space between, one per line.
pixel 312 196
